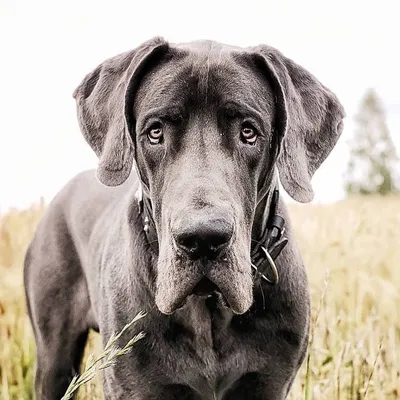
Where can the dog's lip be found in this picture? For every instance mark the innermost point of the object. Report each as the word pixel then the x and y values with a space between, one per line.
pixel 175 285
pixel 202 287
pixel 170 298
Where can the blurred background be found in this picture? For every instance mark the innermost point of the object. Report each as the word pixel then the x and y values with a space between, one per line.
pixel 349 235
pixel 47 47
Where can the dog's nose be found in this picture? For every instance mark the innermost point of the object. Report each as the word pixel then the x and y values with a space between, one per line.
pixel 204 237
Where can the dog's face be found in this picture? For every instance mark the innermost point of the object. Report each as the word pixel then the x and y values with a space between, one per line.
pixel 205 123
pixel 203 131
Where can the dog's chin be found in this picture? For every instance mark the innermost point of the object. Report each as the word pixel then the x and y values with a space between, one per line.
pixel 175 283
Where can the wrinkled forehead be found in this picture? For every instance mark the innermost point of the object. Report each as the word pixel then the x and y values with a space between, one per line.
pixel 204 74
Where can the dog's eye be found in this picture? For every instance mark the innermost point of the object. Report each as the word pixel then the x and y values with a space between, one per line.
pixel 248 133
pixel 155 133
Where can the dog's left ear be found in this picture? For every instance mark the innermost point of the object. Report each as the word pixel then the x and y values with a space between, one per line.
pixel 104 103
pixel 308 121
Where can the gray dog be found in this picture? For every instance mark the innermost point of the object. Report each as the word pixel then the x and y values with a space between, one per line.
pixel 196 237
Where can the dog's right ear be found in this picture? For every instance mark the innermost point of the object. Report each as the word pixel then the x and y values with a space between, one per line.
pixel 103 99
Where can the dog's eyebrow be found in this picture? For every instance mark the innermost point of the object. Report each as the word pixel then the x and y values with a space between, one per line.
pixel 169 112
pixel 241 108
pixel 244 110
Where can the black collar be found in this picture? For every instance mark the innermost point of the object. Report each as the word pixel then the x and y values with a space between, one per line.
pixel 267 248
pixel 264 250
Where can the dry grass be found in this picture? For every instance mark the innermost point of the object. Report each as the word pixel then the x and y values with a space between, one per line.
pixel 352 253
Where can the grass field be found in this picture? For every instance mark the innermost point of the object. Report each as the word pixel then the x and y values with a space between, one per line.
pixel 352 253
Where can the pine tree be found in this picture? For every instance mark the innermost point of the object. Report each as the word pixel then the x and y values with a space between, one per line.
pixel 372 163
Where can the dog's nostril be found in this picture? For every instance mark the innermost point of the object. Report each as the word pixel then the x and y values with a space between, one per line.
pixel 207 239
pixel 216 241
pixel 188 242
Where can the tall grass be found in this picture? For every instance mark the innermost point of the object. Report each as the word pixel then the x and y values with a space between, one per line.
pixel 352 253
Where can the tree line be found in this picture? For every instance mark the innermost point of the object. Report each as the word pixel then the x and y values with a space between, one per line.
pixel 372 165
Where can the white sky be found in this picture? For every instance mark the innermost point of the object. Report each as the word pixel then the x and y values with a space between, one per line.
pixel 46 48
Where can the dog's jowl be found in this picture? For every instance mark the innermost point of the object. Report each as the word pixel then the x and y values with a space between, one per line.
pixel 182 219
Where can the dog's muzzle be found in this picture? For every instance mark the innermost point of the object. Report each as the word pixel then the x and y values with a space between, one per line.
pixel 203 239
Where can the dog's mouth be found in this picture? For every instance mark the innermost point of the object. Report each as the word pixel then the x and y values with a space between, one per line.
pixel 176 283
pixel 205 288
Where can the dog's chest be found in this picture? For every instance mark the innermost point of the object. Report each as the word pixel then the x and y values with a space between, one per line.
pixel 216 373
pixel 211 360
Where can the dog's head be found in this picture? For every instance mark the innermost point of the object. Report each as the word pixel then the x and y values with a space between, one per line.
pixel 206 124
